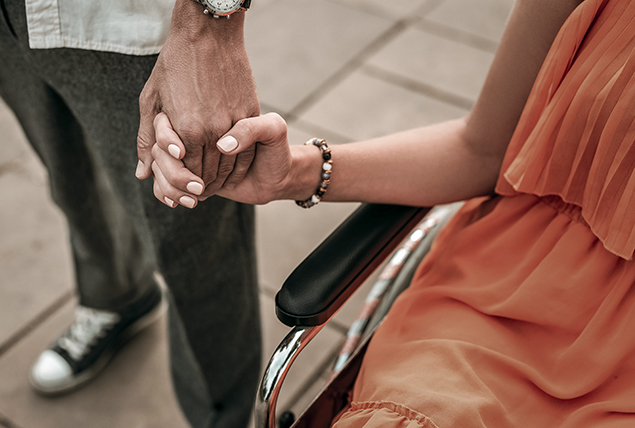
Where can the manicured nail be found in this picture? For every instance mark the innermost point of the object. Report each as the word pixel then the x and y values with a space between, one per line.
pixel 174 151
pixel 227 144
pixel 194 187
pixel 140 169
pixel 169 201
pixel 187 201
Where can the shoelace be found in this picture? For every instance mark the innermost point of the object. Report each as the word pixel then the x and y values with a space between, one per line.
pixel 90 325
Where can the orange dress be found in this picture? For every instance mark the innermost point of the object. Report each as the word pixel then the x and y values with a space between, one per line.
pixel 523 313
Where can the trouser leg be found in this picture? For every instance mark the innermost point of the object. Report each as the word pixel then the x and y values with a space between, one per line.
pixel 110 267
pixel 206 255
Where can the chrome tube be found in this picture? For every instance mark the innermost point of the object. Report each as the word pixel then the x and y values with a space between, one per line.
pixel 271 383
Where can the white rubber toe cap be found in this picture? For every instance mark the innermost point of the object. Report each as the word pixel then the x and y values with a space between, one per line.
pixel 51 372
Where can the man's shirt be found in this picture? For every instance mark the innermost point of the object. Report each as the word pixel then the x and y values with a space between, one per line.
pixel 135 27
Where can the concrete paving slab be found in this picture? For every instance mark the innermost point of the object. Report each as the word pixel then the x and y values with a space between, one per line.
pixel 436 62
pixel 297 137
pixel 133 391
pixel 295 45
pixel 257 7
pixel 395 9
pixel 286 234
pixel 300 132
pixel 365 107
pixel 34 251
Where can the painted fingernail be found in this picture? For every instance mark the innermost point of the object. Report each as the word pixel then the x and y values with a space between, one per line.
pixel 227 144
pixel 140 169
pixel 187 201
pixel 174 150
pixel 169 201
pixel 194 187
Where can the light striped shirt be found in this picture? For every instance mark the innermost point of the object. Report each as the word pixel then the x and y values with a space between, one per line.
pixel 135 27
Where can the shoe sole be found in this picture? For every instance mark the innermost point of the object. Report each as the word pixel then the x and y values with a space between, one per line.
pixel 90 373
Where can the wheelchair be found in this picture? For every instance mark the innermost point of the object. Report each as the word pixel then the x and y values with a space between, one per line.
pixel 389 239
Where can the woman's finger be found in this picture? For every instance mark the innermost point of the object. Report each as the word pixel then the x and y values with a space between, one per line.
pixel 168 194
pixel 166 138
pixel 176 174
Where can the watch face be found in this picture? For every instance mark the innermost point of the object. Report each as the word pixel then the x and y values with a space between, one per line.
pixel 223 6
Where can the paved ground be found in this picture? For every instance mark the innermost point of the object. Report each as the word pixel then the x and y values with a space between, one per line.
pixel 341 69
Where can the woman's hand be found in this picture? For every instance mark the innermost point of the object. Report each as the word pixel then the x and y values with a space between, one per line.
pixel 264 180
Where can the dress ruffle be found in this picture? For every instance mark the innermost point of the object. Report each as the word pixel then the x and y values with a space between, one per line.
pixel 383 414
pixel 584 97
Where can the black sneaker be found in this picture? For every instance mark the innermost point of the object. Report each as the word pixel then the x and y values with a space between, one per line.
pixel 89 343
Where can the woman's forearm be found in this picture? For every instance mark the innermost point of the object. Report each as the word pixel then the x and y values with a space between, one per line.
pixel 424 166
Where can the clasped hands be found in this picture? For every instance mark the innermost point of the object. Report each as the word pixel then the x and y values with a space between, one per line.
pixel 259 178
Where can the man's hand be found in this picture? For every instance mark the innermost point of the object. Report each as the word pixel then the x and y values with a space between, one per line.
pixel 202 81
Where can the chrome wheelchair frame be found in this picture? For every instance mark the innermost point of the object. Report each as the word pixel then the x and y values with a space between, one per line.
pixel 395 237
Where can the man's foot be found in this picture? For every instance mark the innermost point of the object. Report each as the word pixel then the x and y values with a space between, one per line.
pixel 89 343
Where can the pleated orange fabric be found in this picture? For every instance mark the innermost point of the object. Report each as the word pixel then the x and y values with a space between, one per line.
pixel 523 313
pixel 575 138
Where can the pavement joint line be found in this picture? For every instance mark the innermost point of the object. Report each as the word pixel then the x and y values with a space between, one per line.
pixel 39 319
pixel 353 64
pixel 295 121
pixel 267 291
pixel 6 422
pixel 311 128
pixel 419 87
pixel 338 326
pixel 417 12
pixel 372 10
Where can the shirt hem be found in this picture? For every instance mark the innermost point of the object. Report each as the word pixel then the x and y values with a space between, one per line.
pixel 66 42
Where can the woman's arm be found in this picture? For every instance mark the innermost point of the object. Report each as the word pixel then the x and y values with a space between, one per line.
pixel 462 158
pixel 449 161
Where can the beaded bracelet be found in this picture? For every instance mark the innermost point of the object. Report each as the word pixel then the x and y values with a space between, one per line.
pixel 327 167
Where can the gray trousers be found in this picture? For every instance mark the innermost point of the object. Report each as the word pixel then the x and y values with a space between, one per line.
pixel 79 110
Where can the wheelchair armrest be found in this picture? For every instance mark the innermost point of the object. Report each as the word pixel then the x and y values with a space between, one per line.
pixel 319 286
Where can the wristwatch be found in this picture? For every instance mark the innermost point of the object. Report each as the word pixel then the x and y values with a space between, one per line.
pixel 224 8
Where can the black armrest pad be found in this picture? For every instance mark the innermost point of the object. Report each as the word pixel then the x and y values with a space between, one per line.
pixel 329 275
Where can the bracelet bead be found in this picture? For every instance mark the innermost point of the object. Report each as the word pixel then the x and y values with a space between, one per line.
pixel 325 175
